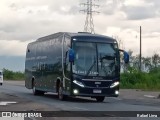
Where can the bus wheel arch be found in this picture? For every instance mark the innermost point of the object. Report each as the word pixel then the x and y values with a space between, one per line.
pixel 35 91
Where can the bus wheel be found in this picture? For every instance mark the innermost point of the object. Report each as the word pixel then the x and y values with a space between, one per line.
pixel 1 83
pixel 35 91
pixel 100 98
pixel 61 96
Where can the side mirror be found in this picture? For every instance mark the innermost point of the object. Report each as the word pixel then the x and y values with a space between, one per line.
pixel 126 57
pixel 71 55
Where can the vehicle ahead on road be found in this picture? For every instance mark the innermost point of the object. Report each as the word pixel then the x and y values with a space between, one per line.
pixel 1 77
pixel 74 64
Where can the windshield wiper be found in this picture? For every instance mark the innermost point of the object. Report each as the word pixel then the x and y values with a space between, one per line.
pixel 91 68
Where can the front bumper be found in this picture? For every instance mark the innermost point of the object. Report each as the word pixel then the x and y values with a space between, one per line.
pixel 89 92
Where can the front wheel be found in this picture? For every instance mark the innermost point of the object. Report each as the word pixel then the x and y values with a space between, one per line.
pixel 100 98
pixel 61 96
pixel 1 83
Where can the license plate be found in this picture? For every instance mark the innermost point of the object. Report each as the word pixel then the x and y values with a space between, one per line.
pixel 97 91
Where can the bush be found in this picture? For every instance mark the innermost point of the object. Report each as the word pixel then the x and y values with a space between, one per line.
pixel 141 80
pixel 10 75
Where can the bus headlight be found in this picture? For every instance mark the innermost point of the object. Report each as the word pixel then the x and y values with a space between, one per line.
pixel 78 83
pixel 114 84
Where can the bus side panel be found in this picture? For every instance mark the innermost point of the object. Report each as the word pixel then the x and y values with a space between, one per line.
pixel 29 64
pixel 54 63
pixel 49 64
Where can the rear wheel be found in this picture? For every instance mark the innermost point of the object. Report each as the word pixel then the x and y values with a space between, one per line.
pixel 35 91
pixel 1 83
pixel 100 98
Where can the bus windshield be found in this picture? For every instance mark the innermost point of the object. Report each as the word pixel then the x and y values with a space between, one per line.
pixel 94 59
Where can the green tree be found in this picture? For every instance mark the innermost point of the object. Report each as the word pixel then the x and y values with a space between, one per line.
pixel 147 62
pixel 155 60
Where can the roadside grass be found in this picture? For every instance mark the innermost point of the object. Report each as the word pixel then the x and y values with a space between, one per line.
pixel 10 75
pixel 141 80
pixel 133 79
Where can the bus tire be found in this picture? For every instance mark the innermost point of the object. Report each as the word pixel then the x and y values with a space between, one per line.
pixel 41 92
pixel 100 98
pixel 35 91
pixel 61 96
pixel 1 84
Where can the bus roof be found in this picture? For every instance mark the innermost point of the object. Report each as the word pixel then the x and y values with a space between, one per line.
pixel 79 34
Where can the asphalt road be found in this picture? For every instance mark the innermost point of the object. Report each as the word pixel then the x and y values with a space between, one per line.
pixel 49 102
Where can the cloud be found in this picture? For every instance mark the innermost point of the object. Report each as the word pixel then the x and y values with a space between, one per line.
pixel 13 48
pixel 140 9
pixel 137 3
pixel 137 13
pixel 152 35
pixel 27 20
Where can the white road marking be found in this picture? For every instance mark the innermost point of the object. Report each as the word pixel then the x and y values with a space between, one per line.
pixel 150 96
pixel 6 103
pixel 116 98
pixel 81 108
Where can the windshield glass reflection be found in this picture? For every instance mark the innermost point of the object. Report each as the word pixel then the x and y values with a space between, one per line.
pixel 94 59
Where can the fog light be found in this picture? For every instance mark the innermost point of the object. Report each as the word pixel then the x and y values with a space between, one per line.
pixel 75 91
pixel 116 92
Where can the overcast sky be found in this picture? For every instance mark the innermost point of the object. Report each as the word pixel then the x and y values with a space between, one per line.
pixel 23 21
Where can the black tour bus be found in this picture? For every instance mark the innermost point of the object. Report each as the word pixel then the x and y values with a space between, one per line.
pixel 74 64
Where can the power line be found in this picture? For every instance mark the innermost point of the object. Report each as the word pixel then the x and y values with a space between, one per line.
pixel 89 25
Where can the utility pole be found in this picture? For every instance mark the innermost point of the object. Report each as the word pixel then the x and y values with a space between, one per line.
pixel 140 56
pixel 89 25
